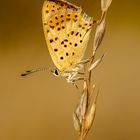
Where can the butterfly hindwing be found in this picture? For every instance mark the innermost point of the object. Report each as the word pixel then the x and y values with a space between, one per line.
pixel 67 29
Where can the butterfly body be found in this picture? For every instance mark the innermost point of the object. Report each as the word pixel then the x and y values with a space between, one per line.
pixel 70 76
pixel 67 29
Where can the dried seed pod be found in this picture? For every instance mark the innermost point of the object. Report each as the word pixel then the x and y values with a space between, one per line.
pixel 78 113
pixel 83 104
pixel 105 4
pixel 82 107
pixel 90 116
pixel 76 122
pixel 96 63
pixel 99 34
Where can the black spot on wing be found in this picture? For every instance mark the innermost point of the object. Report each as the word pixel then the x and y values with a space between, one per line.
pixel 61 58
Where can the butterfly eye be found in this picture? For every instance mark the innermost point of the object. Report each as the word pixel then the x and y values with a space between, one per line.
pixel 56 73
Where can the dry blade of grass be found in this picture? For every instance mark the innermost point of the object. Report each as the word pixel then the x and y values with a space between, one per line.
pixel 85 112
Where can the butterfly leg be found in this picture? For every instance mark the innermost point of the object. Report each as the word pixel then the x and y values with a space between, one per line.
pixel 85 61
pixel 81 73
pixel 78 79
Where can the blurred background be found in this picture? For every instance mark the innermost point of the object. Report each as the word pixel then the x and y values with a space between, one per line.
pixel 40 106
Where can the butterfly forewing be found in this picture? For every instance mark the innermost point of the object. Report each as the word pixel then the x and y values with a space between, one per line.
pixel 67 29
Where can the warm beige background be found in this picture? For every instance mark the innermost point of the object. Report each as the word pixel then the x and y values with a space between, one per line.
pixel 40 106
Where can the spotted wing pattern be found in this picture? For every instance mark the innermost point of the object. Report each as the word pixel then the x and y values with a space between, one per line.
pixel 67 29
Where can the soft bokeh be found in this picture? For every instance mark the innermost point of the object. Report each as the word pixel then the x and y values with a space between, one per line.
pixel 40 106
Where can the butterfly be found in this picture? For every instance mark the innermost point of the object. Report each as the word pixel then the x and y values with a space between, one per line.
pixel 67 30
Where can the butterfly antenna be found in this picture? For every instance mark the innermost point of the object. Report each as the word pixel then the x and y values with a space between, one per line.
pixel 33 71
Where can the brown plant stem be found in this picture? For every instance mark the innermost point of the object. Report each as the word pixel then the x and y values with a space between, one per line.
pixel 86 110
